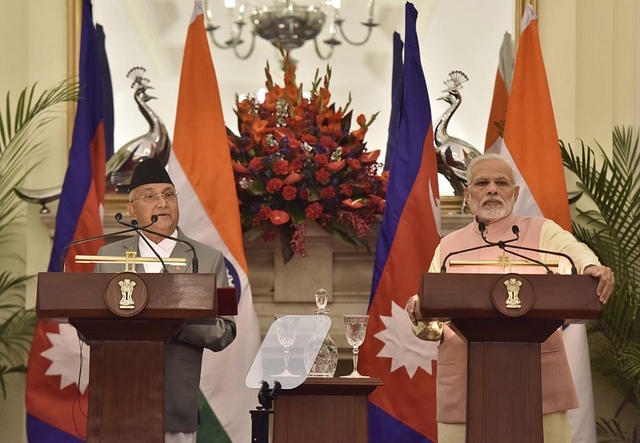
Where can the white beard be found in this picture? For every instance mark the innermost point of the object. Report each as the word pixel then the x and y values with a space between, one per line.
pixel 494 211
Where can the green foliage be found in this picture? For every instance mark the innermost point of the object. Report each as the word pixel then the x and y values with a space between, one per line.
pixel 21 149
pixel 611 228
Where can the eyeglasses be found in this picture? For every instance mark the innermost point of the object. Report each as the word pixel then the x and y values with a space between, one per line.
pixel 151 198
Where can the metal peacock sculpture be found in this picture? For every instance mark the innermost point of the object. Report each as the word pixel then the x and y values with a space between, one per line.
pixel 453 154
pixel 155 143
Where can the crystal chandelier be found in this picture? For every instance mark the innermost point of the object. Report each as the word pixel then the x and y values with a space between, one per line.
pixel 285 24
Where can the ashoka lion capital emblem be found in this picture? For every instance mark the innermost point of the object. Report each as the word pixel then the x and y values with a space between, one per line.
pixel 513 289
pixel 126 289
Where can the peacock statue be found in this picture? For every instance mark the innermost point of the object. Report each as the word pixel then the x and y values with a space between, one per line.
pixel 155 143
pixel 453 154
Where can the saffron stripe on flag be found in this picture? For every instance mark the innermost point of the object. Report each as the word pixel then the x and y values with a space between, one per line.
pixel 56 406
pixel 531 146
pixel 404 408
pixel 500 101
pixel 200 166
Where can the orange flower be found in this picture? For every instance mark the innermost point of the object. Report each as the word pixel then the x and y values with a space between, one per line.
pixel 278 217
pixel 240 169
pixel 370 157
pixel 336 166
pixel 292 178
pixel 296 153
pixel 353 204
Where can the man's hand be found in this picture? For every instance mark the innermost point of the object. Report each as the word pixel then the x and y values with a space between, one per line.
pixel 413 309
pixel 606 281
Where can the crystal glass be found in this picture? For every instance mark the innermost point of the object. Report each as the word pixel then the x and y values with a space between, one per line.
pixel 286 330
pixel 356 328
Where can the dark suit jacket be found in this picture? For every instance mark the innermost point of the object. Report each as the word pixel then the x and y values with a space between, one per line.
pixel 183 352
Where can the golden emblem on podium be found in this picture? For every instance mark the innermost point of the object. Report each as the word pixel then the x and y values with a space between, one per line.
pixel 126 289
pixel 513 289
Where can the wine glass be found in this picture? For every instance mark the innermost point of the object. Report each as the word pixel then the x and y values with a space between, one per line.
pixel 286 330
pixel 356 327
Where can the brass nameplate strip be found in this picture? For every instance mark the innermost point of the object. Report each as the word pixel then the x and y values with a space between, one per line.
pixel 549 263
pixel 121 260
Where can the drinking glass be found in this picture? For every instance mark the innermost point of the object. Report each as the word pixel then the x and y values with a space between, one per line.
pixel 286 330
pixel 356 328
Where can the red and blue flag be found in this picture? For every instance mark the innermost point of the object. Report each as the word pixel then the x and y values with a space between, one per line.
pixel 404 408
pixel 57 378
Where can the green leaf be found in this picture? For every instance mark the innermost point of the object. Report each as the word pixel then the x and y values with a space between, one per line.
pixel 256 187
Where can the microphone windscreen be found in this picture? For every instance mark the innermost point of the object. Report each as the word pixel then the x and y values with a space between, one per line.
pixel 482 226
pixel 515 229
pixel 154 218
pixel 118 216
pixel 134 222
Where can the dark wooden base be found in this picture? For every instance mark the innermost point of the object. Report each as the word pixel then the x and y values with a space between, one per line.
pixel 324 410
pixel 504 393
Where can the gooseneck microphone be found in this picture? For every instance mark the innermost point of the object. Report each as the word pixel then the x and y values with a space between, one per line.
pixel 63 255
pixel 510 248
pixel 154 218
pixel 134 223
pixel 481 228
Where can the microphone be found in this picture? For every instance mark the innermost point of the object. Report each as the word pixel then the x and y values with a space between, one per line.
pixel 154 218
pixel 503 245
pixel 481 227
pixel 134 223
pixel 63 255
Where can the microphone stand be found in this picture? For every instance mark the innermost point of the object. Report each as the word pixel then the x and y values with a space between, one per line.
pixel 63 255
pixel 503 245
pixel 134 224
pixel 154 218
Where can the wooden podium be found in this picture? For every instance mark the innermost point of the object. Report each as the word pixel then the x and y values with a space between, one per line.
pixel 504 387
pixel 323 410
pixel 126 398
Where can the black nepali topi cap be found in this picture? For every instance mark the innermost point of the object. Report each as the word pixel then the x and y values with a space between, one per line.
pixel 148 171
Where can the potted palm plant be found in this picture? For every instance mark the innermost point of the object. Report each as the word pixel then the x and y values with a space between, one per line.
pixel 611 227
pixel 21 149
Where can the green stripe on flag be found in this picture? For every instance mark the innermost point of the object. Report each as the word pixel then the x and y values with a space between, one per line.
pixel 209 430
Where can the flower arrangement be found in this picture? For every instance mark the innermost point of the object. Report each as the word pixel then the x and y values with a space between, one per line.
pixel 296 160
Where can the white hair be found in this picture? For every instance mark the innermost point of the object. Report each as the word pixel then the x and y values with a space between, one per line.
pixel 486 157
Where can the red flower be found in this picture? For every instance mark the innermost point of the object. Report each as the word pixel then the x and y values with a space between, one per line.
pixel 346 190
pixel 353 164
pixel 278 217
pixel 289 193
pixel 313 211
pixel 256 163
pixel 322 175
pixel 274 185
pixel 328 192
pixel 281 167
pixel 264 212
pixel 328 143
pixel 321 159
pixel 297 152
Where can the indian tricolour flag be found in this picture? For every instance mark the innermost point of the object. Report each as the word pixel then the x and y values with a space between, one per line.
pixel 501 88
pixel 531 146
pixel 200 166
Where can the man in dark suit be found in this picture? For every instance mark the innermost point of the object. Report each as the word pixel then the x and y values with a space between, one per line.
pixel 152 193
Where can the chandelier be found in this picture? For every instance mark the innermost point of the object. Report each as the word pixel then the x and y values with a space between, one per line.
pixel 286 24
